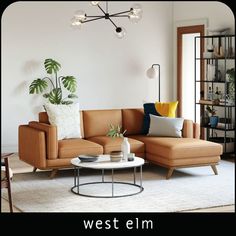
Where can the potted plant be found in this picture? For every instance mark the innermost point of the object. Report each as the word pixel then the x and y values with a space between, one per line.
pixel 55 94
pixel 230 77
pixel 115 131
pixel 213 118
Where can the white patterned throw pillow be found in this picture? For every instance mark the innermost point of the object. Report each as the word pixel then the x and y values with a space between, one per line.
pixel 66 118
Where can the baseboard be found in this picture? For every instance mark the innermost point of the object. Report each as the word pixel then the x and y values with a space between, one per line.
pixel 10 148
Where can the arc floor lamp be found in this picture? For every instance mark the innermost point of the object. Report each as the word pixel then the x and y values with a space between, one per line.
pixel 152 73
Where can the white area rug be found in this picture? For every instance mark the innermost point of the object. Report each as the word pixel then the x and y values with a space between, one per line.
pixel 189 188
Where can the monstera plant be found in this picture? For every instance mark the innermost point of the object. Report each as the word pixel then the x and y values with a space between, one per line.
pixel 57 84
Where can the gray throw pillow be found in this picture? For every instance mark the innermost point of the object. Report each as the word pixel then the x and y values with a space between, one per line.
pixel 165 126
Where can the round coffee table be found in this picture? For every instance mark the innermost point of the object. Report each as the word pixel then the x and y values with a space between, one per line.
pixel 103 163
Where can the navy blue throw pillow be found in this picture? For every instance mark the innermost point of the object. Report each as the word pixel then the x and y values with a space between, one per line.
pixel 149 108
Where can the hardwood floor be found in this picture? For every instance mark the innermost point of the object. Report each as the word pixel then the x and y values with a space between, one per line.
pixel 18 166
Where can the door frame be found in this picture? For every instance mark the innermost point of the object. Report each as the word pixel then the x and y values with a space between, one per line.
pixel 180 31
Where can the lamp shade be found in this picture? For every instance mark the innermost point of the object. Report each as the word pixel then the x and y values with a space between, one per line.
pixel 151 73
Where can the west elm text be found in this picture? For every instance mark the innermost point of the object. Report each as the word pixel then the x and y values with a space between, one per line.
pixel 114 224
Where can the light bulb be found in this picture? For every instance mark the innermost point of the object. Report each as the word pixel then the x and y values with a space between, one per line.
pixel 94 3
pixel 120 32
pixel 75 23
pixel 137 9
pixel 134 18
pixel 80 15
pixel 151 73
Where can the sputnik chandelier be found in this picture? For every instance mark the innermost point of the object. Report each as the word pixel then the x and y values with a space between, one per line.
pixel 134 14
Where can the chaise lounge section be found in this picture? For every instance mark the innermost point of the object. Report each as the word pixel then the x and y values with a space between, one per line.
pixel 39 147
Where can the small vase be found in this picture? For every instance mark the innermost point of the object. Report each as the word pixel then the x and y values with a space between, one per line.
pixel 125 148
pixel 214 121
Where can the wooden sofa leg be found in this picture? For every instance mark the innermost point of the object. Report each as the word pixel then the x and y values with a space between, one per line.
pixel 35 168
pixel 170 172
pixel 53 173
pixel 214 169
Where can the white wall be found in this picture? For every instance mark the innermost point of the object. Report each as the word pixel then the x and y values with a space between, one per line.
pixel 218 13
pixel 213 14
pixel 110 71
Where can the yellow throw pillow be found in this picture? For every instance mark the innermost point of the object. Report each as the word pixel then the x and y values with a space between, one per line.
pixel 167 109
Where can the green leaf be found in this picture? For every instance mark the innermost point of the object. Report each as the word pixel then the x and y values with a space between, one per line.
pixel 38 86
pixel 55 96
pixel 66 102
pixel 51 66
pixel 72 96
pixel 69 83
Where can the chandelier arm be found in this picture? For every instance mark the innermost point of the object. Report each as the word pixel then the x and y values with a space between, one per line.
pixel 94 19
pixel 112 22
pixel 93 16
pixel 121 16
pixel 119 13
pixel 101 9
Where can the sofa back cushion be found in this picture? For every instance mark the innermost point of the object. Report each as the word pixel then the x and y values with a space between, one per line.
pixel 43 118
pixel 187 131
pixel 96 122
pixel 132 121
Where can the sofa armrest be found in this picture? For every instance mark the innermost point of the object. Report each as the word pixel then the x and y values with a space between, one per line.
pixel 51 137
pixel 196 130
pixel 32 146
pixel 191 129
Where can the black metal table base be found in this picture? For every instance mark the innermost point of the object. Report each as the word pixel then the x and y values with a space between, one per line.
pixel 76 188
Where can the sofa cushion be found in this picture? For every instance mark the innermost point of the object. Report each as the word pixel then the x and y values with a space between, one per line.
pixel 149 108
pixel 70 148
pixel 113 144
pixel 132 120
pixel 192 161
pixel 66 118
pixel 43 118
pixel 96 122
pixel 177 148
pixel 167 109
pixel 165 126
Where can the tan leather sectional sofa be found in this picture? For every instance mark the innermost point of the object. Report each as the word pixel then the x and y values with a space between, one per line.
pixel 39 147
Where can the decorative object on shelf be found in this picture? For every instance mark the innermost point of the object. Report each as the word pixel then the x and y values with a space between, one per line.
pixel 209 94
pixel 211 111
pixel 152 74
pixel 213 118
pixel 125 148
pixel 230 74
pixel 115 131
pixel 218 76
pixel 116 156
pixel 134 14
pixel 211 72
pixel 55 95
pixel 214 121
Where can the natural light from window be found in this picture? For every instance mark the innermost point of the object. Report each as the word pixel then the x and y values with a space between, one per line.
pixel 188 102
